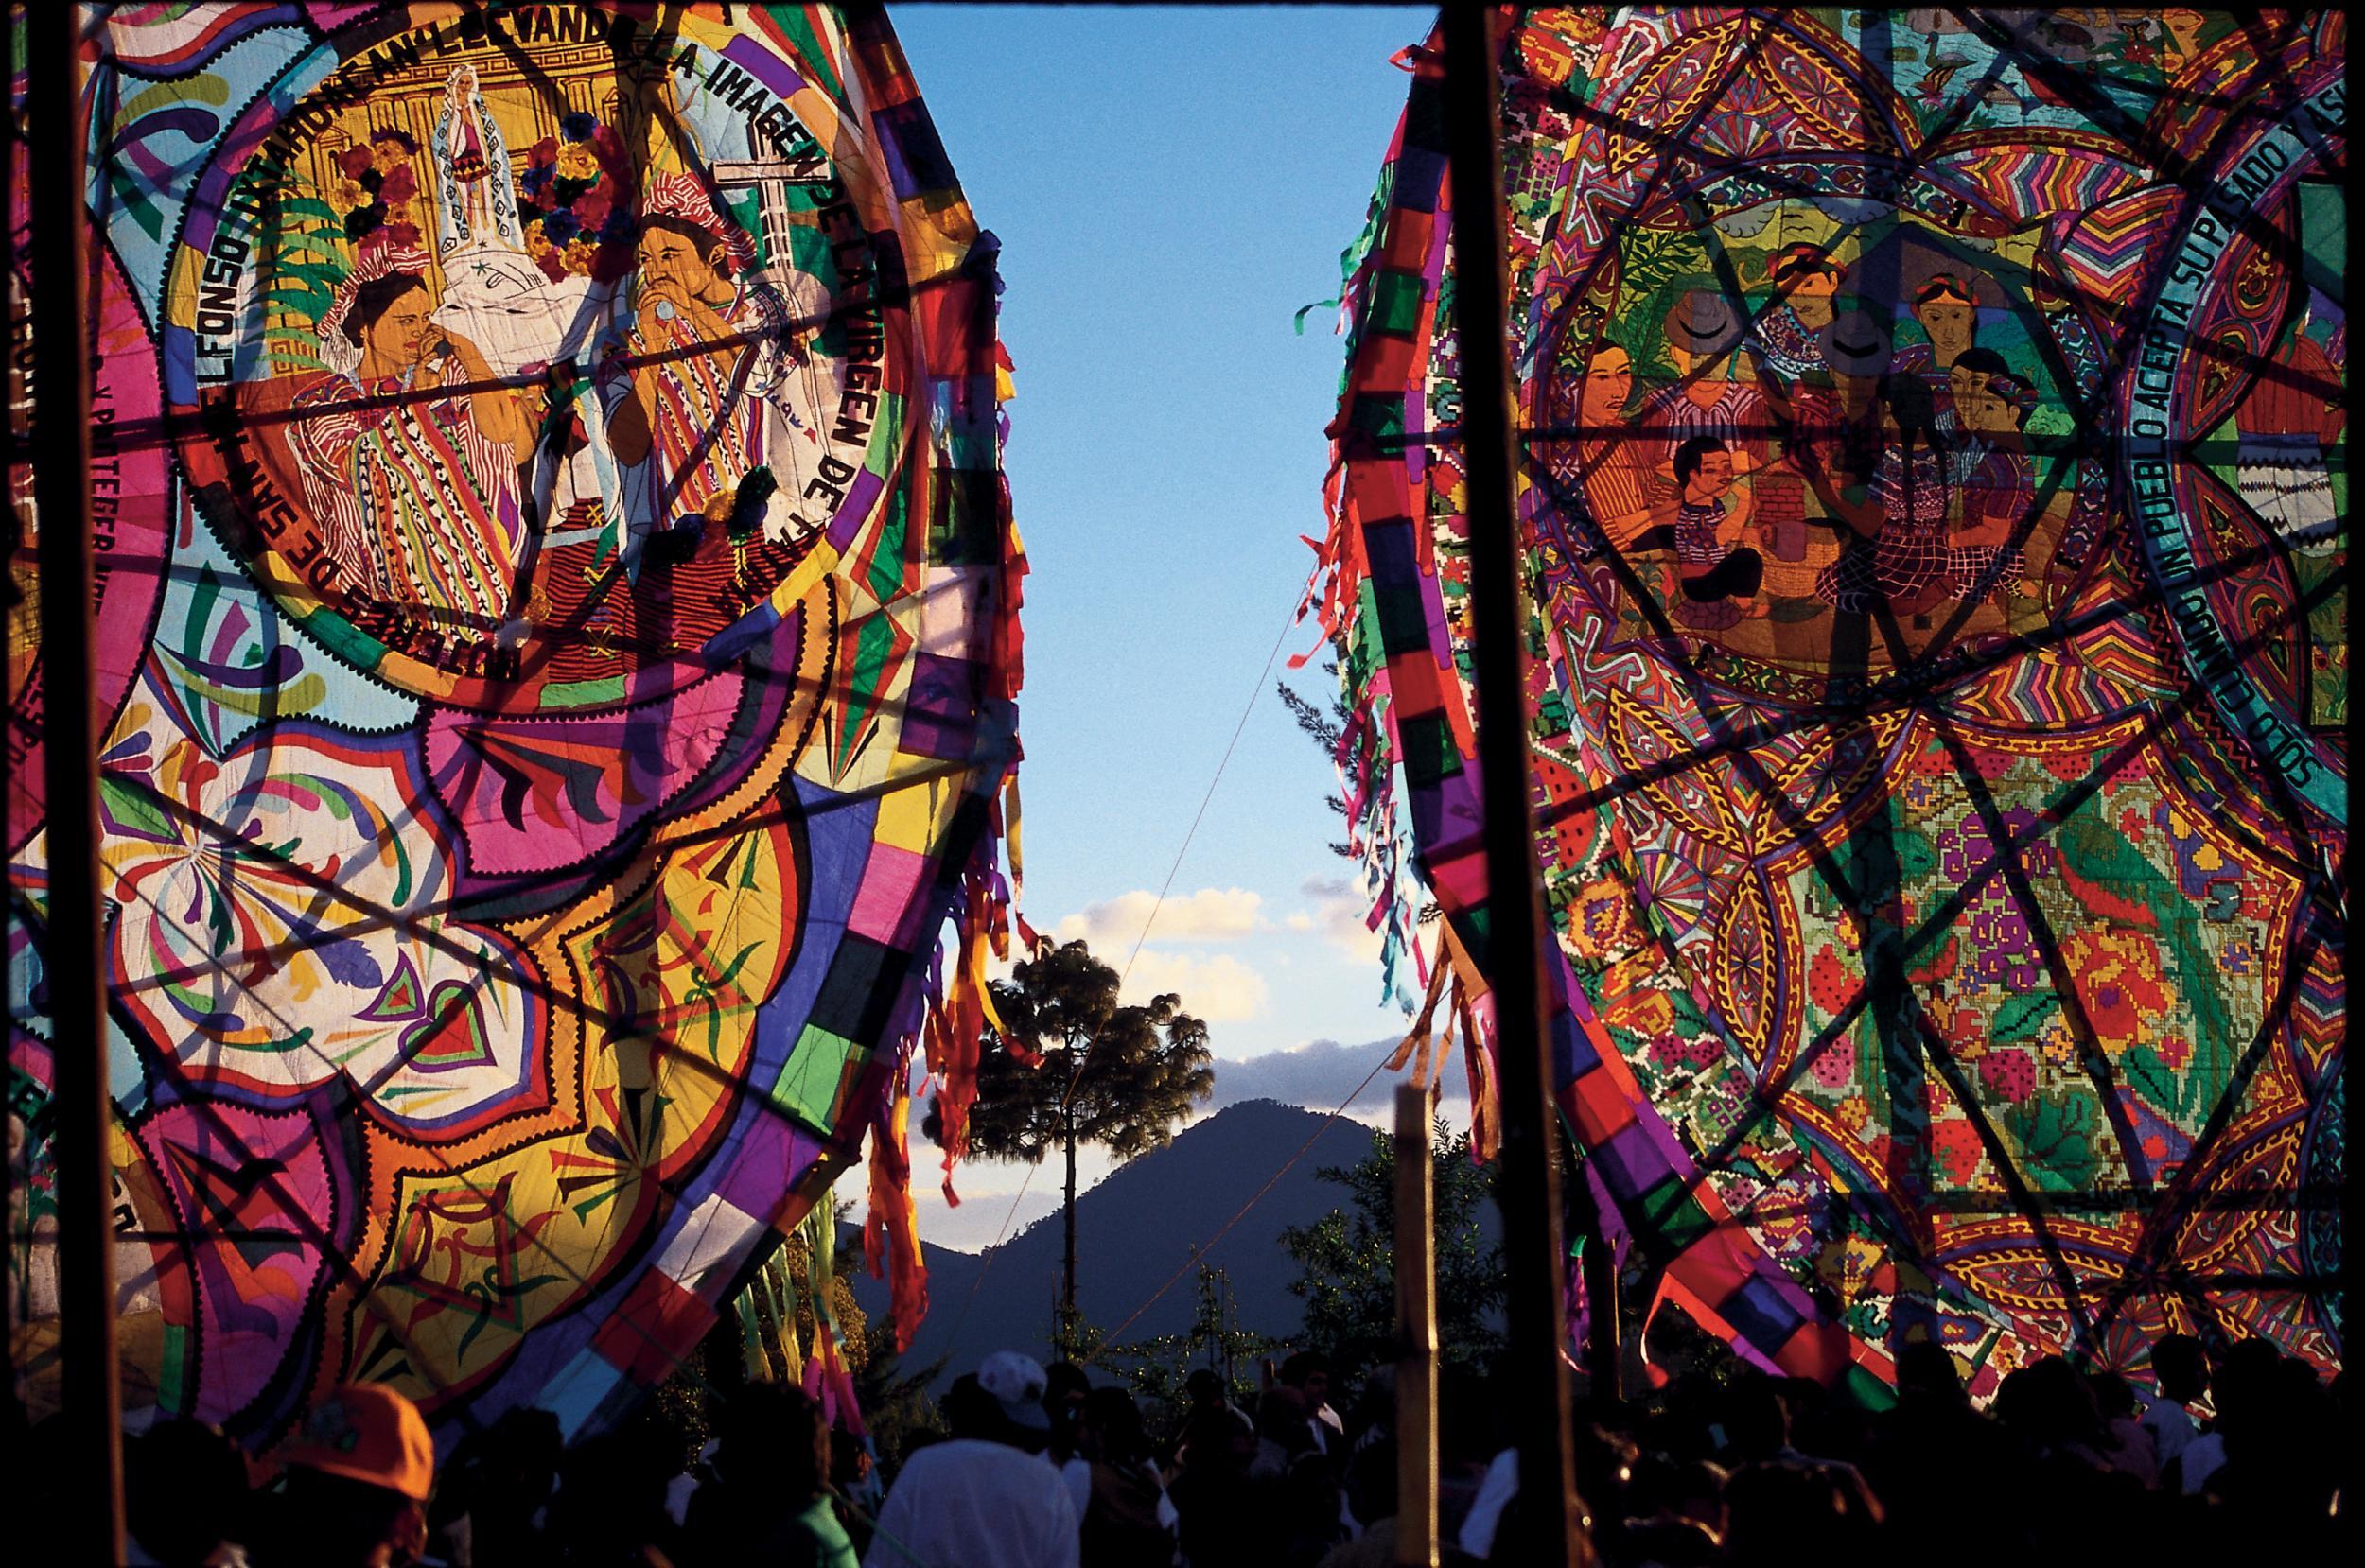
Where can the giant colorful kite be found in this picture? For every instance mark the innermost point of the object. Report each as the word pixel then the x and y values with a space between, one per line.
pixel 558 631
pixel 1933 510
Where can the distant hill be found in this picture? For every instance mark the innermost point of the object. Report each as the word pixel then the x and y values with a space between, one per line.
pixel 1133 1230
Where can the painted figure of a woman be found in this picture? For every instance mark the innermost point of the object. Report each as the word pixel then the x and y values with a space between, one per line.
pixel 410 457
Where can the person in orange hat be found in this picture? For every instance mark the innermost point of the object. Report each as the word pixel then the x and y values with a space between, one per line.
pixel 359 1470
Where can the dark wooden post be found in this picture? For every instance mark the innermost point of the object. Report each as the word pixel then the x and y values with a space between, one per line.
pixel 1416 1334
pixel 92 1509
pixel 1535 1260
pixel 1604 1344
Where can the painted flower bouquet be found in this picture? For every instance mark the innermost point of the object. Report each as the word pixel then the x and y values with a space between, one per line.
pixel 376 185
pixel 575 198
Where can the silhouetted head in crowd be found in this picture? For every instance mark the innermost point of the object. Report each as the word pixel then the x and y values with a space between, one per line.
pixel 2114 1397
pixel 1110 1430
pixel 1017 1385
pixel 774 1436
pixel 1375 1407
pixel 1666 1543
pixel 185 1491
pixel 337 1522
pixel 2243 1380
pixel 1757 1419
pixel 1604 1461
pixel 611 1496
pixel 1307 1506
pixel 971 1412
pixel 1773 1508
pixel 1308 1372
pixel 2181 1367
pixel 1926 1370
pixel 849 1461
pixel 1371 1482
pixel 1281 1418
pixel 1665 1489
pixel 1216 1440
pixel 1205 1390
pixel 359 1472
pixel 2048 1407
pixel 1065 1387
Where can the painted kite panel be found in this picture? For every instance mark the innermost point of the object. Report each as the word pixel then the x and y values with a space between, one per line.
pixel 559 656
pixel 1932 505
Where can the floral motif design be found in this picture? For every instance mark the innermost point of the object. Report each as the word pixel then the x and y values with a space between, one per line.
pixel 574 196
pixel 278 931
pixel 1955 1143
pixel 2011 1073
pixel 376 185
pixel 2121 981
pixel 2003 952
pixel 1601 920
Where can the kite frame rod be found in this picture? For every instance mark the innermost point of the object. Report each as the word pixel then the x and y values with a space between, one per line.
pixel 92 1510
pixel 1535 1257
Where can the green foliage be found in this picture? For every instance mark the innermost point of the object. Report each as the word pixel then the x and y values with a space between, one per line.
pixel 2023 1017
pixel 1324 728
pixel 1121 1077
pixel 1070 1067
pixel 684 1406
pixel 1155 1369
pixel 2054 1133
pixel 1346 1261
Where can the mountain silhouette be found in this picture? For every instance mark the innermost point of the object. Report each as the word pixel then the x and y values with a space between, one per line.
pixel 1132 1231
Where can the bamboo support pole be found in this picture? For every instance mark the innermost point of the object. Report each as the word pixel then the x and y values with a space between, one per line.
pixel 1416 1332
pixel 93 1509
pixel 1536 1262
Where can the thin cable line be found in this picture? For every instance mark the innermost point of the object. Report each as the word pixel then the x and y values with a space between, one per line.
pixel 1125 972
pixel 1337 1111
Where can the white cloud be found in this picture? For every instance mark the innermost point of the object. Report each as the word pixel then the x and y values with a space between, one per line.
pixel 1323 1073
pixel 1211 915
pixel 1216 988
pixel 1341 908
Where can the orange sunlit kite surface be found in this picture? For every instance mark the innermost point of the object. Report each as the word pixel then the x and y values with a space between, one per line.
pixel 557 612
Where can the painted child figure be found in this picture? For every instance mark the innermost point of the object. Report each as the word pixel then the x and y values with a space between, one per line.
pixel 1986 549
pixel 1719 579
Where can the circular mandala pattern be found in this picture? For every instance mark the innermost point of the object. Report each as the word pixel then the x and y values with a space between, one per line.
pixel 1930 503
pixel 524 407
pixel 559 633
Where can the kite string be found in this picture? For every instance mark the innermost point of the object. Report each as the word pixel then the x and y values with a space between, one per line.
pixel 1126 970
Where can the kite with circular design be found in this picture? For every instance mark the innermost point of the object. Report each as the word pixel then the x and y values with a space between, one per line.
pixel 1931 503
pixel 558 647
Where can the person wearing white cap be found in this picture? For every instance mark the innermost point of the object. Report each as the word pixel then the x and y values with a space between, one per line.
pixel 983 1498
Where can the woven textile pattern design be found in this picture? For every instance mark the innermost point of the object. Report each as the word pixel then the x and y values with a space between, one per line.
pixel 1931 503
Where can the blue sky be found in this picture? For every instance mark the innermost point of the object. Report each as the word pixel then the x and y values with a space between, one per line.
pixel 1169 188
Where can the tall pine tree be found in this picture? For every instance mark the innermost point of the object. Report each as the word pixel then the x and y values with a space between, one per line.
pixel 1073 1068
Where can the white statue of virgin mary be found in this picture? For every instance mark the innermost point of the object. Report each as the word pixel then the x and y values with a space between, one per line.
pixel 493 291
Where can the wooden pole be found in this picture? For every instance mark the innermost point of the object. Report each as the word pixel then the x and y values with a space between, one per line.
pixel 1604 1344
pixel 93 1508
pixel 1536 1262
pixel 1416 1334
